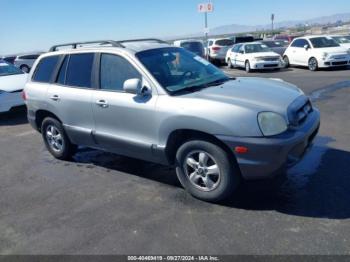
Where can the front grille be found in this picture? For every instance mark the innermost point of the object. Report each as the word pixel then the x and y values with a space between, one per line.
pixel 271 65
pixel 270 59
pixel 340 63
pixel 299 110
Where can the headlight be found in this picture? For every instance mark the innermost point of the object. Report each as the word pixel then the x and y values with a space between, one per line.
pixel 271 123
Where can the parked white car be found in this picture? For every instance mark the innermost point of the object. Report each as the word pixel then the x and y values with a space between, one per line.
pixel 342 40
pixel 316 52
pixel 217 48
pixel 12 81
pixel 25 62
pixel 253 56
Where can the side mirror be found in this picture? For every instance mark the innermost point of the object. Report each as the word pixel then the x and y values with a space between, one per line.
pixel 134 86
pixel 306 47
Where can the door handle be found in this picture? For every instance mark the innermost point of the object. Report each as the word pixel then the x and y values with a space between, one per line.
pixel 55 98
pixel 102 103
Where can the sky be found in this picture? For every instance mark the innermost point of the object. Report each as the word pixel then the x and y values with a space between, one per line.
pixel 28 25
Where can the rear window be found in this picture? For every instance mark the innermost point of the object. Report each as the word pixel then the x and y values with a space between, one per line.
pixel 45 69
pixel 225 42
pixel 79 70
pixel 195 47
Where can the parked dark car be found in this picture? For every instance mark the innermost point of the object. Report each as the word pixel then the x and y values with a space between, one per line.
pixel 276 46
pixel 9 59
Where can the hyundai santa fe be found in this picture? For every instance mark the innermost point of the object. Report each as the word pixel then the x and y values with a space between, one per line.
pixel 148 100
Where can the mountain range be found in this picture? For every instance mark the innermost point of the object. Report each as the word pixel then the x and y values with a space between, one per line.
pixel 236 28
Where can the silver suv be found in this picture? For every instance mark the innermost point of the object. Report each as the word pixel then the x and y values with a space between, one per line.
pixel 146 99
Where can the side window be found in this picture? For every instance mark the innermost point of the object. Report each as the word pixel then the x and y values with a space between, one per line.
pixel 295 43
pixel 304 43
pixel 79 70
pixel 45 68
pixel 115 70
pixel 61 79
pixel 210 43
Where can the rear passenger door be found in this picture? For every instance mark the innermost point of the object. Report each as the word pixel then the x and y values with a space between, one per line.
pixel 125 123
pixel 69 96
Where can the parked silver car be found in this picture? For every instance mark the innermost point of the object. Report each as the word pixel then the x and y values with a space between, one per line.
pixel 148 100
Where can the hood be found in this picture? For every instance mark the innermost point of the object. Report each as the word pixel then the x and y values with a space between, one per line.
pixel 258 94
pixel 334 50
pixel 13 83
pixel 265 54
pixel 346 45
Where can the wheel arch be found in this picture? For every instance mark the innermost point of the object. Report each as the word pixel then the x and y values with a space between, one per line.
pixel 40 115
pixel 180 136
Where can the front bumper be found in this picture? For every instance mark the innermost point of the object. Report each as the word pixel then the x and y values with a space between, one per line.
pixel 269 156
pixel 335 62
pixel 266 64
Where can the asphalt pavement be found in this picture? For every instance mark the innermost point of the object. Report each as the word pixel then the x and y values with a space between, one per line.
pixel 102 203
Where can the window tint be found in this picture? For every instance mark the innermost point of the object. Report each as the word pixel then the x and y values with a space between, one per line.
pixel 29 57
pixel 115 70
pixel 210 43
pixel 79 70
pixel 224 42
pixel 62 73
pixel 45 68
pixel 299 43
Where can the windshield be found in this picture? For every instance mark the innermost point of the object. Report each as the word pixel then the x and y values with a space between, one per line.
pixel 322 42
pixel 195 47
pixel 225 42
pixel 179 70
pixel 256 48
pixel 342 39
pixel 7 69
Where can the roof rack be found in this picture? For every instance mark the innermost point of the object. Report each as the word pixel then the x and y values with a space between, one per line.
pixel 104 42
pixel 75 44
pixel 143 40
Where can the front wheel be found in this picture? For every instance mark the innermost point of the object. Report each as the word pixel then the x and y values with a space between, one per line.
pixel 286 62
pixel 206 171
pixel 313 64
pixel 247 67
pixel 56 140
pixel 229 63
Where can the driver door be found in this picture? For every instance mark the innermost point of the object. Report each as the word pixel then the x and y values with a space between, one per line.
pixel 124 122
pixel 240 56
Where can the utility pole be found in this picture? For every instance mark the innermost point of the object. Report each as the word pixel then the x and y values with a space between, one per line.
pixel 272 21
pixel 206 8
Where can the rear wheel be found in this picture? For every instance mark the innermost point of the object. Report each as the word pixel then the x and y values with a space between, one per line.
pixel 206 171
pixel 25 68
pixel 56 140
pixel 313 65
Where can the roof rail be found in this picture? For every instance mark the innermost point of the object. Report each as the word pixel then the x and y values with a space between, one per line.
pixel 75 44
pixel 143 40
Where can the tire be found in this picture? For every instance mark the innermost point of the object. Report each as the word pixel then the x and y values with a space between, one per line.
pixel 56 140
pixel 247 67
pixel 286 62
pixel 229 63
pixel 25 68
pixel 313 64
pixel 214 187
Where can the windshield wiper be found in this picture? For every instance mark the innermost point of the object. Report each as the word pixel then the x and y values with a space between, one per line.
pixel 220 81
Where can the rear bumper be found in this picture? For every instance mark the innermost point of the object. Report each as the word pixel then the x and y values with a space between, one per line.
pixel 10 100
pixel 267 157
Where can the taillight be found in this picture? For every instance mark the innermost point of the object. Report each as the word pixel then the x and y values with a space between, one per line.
pixel 24 95
pixel 215 48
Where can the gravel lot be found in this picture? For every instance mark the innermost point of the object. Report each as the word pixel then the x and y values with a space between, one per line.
pixel 106 204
